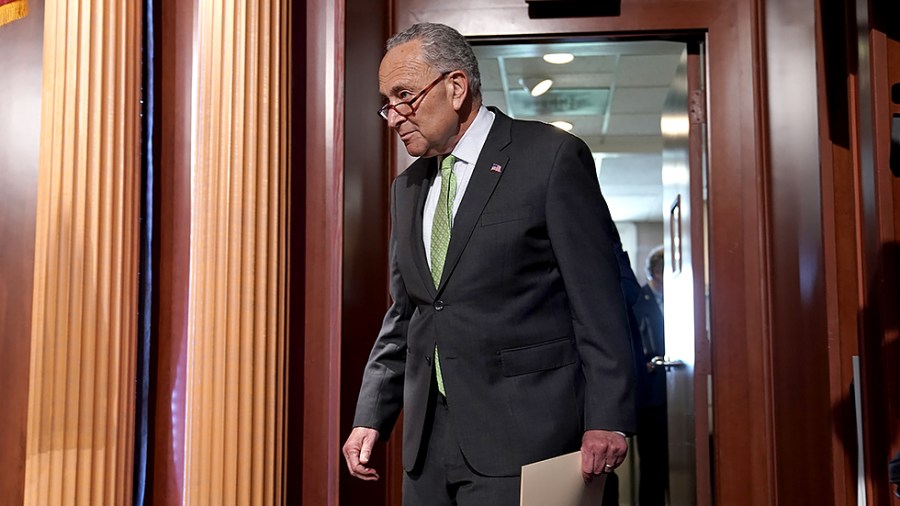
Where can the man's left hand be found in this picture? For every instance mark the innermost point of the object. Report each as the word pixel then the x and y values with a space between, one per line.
pixel 601 452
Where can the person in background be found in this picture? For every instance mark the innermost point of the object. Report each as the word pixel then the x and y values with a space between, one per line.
pixel 652 435
pixel 507 340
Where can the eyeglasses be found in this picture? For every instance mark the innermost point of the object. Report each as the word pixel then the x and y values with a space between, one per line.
pixel 406 107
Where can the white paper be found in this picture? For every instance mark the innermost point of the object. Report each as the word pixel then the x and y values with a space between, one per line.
pixel 558 482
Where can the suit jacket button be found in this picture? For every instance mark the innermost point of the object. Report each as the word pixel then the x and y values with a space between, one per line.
pixel 439 305
pixel 428 359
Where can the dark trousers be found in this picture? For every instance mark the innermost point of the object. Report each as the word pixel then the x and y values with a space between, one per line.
pixel 442 477
pixel 653 449
pixel 611 490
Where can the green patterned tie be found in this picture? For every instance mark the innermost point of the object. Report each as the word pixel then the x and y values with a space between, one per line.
pixel 440 239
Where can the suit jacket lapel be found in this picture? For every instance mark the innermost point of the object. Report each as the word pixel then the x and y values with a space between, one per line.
pixel 418 246
pixel 481 187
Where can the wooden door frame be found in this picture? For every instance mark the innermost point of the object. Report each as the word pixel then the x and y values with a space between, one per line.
pixel 699 238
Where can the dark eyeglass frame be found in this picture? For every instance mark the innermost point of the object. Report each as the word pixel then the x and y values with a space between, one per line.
pixel 383 112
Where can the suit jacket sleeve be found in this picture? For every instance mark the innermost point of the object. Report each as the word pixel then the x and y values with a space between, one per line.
pixel 381 394
pixel 582 235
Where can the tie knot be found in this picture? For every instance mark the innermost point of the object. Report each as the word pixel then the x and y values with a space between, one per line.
pixel 447 163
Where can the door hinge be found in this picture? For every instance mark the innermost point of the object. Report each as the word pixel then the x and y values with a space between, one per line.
pixel 697 107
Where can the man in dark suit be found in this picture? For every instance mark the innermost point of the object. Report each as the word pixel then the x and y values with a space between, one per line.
pixel 507 340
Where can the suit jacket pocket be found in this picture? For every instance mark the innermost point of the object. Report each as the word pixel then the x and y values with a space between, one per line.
pixel 538 357
pixel 521 213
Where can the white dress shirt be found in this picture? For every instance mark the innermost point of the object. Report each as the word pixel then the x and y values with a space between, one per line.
pixel 466 152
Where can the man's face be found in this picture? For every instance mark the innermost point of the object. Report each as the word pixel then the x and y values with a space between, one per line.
pixel 428 130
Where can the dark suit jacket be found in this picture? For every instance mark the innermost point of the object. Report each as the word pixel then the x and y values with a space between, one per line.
pixel 529 316
pixel 651 342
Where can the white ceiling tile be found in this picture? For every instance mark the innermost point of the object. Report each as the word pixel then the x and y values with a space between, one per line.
pixel 634 124
pixel 647 70
pixel 638 100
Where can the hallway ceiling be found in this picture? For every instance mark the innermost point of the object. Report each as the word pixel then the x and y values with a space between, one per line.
pixel 612 93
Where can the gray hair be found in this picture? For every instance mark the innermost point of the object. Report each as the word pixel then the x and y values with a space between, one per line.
pixel 443 49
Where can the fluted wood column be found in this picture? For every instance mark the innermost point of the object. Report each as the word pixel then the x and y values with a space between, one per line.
pixel 236 344
pixel 81 394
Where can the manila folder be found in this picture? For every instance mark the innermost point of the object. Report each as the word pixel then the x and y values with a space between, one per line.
pixel 558 482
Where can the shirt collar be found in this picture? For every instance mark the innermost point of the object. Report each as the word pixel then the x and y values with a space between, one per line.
pixel 469 146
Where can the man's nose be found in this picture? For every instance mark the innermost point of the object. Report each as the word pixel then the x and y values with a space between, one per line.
pixel 394 118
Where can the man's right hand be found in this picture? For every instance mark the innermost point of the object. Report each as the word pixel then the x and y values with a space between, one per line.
pixel 357 450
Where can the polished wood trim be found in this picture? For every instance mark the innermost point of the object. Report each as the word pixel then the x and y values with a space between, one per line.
pixel 324 155
pixel 840 198
pixel 879 341
pixel 20 112
pixel 176 24
pixel 892 338
pixel 81 397
pixel 861 233
pixel 366 229
pixel 795 278
pixel 236 336
pixel 296 255
pixel 702 357
pixel 740 330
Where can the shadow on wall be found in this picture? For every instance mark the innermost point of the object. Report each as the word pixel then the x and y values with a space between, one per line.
pixel 879 353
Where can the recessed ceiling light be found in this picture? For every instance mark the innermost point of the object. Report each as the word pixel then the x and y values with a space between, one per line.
pixel 541 87
pixel 559 58
pixel 562 125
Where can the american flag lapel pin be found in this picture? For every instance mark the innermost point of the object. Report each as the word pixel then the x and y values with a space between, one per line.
pixel 496 168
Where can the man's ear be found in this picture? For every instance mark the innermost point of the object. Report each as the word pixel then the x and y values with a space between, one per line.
pixel 459 83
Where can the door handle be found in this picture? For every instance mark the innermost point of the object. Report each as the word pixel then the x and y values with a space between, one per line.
pixel 666 362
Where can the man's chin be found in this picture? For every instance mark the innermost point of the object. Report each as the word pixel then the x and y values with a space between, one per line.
pixel 414 149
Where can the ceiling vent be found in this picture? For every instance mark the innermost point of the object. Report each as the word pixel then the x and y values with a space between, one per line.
pixel 558 102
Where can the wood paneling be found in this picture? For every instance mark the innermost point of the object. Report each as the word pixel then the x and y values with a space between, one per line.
pixel 860 211
pixel 892 255
pixel 739 330
pixel 236 336
pixel 81 396
pixel 840 197
pixel 879 243
pixel 801 397
pixel 21 44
